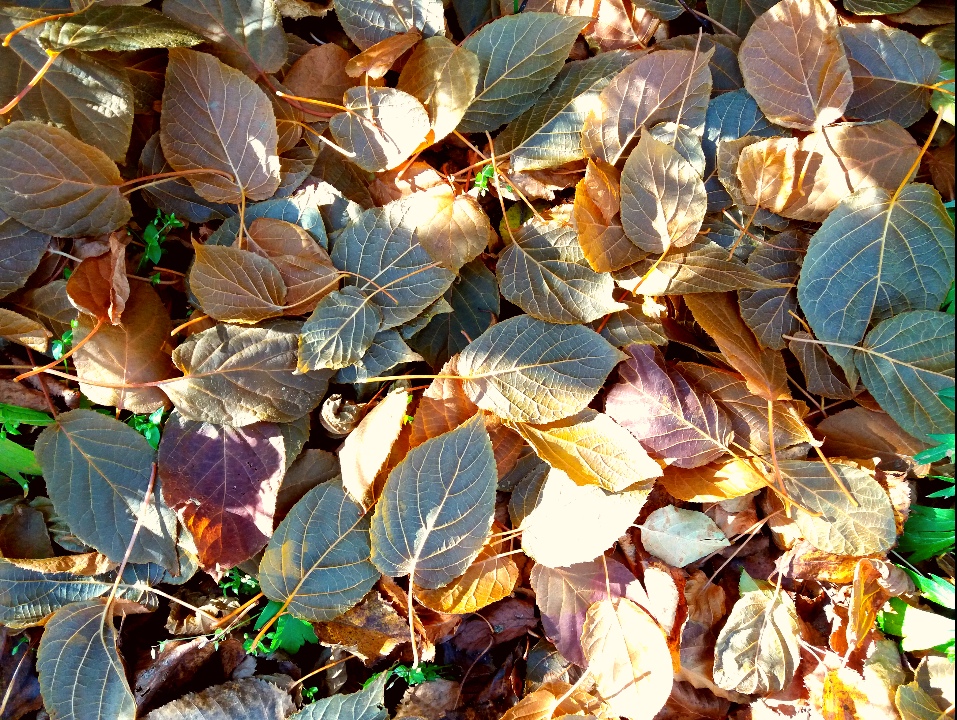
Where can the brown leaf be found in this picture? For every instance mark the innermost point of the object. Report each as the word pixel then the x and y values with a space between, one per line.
pixel 236 285
pixel 538 705
pixel 85 564
pixel 488 579
pixel 806 179
pixel 135 351
pixel 303 265
pixel 713 482
pixel 653 89
pixel 216 117
pixel 98 286
pixel 628 656
pixel 377 60
pixel 794 65
pixel 618 24
pixel 222 481
pixel 23 331
pixel 763 368
pixel 597 217
pixel 875 582
pixel 453 229
pixel 250 697
pixel 861 433
pixel 822 375
pixel 366 449
pixel 320 74
pixel 370 630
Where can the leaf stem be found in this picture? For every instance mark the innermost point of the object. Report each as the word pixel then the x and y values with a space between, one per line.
pixel 179 328
pixel 158 178
pixel 129 546
pixel 923 151
pixel 71 351
pixel 51 58
pixel 33 23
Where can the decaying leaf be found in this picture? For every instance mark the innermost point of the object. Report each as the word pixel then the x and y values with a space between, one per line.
pixel 680 537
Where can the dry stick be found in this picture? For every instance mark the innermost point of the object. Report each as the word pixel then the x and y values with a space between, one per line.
pixel 321 137
pixel 51 58
pixel 74 258
pixel 11 684
pixel 46 395
pixel 48 366
pixel 684 95
pixel 752 532
pixel 174 599
pixel 491 643
pixel 415 645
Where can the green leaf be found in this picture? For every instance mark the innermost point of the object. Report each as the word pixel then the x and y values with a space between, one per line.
pixel 212 116
pixel 290 632
pixel 81 673
pixel 367 22
pixel 240 375
pixel 93 461
pixel 475 303
pixel 436 508
pixel 934 588
pixel 339 332
pixel 920 629
pixel 13 415
pixel 889 67
pixel 90 99
pixel 247 34
pixel 388 264
pixel 663 200
pixel 862 524
pixel 57 184
pixel 117 28
pixel 17 461
pixel 905 362
pixel 928 532
pixel 367 704
pixel 318 558
pixel 545 273
pixel 549 133
pixel 382 129
pixel 519 56
pixel 875 257
pixel 941 101
pixel 527 370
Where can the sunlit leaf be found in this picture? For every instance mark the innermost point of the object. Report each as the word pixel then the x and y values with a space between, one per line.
pixel 94 461
pixel 318 558
pixel 549 133
pixel 215 117
pixel 90 99
pixel 876 255
pixel 519 56
pixel 669 85
pixel 366 449
pixel 366 704
pixel 436 508
pixel 388 264
pixel 252 698
pixel 757 650
pixel 889 67
pixel 552 372
pixel 714 482
pixel 237 376
pixel 597 217
pixel 862 524
pixel 388 349
pixel 116 28
pixel 904 363
pixel 794 65
pixel 382 128
pixel 626 327
pixel 176 195
pixel 616 24
pixel 452 229
pixel 57 184
pixel 545 273
pixel 247 34
pixel 303 264
pixel 725 74
pixel 320 74
pixel 299 209
pixel 662 410
pixel 443 77
pixel 223 483
pixel 807 179
pixel 367 22
pixel 627 654
pixel 236 285
pixel 23 331
pixel 762 368
pixel 376 60
pixel 592 450
pixel 574 523
pixel 129 353
pixel 81 673
pixel 49 305
pixel 663 200
pixel 681 537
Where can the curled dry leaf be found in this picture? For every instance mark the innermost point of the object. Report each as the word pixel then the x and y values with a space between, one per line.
pixel 23 331
pixel 99 286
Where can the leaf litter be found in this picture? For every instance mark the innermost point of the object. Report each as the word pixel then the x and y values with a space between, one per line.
pixel 477 360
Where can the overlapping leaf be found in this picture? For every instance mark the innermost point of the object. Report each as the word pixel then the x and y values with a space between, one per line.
pixel 115 28
pixel 237 376
pixel 681 537
pixel 769 312
pixel 436 508
pixel 318 558
pixel 367 22
pixel 21 249
pixel 507 368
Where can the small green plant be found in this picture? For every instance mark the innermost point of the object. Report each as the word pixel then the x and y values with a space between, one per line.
pixel 148 426
pixel 16 460
pixel 239 584
pixel 153 236
pixel 482 179
pixel 289 633
pixel 58 346
pixel 20 644
pixel 12 416
pixel 309 694
pixel 425 672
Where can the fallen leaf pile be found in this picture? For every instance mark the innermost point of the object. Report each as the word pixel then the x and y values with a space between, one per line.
pixel 476 360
